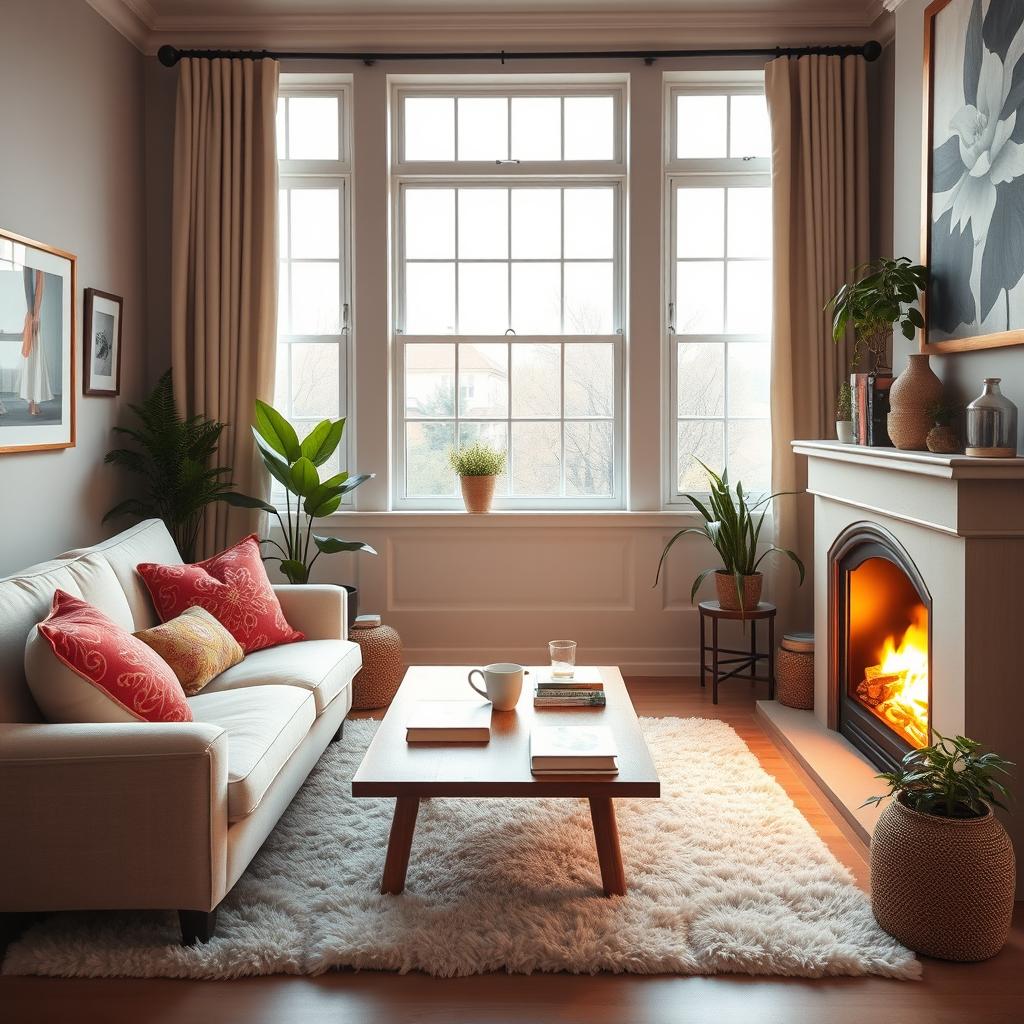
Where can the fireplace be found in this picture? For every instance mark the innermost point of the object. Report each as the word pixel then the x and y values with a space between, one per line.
pixel 879 645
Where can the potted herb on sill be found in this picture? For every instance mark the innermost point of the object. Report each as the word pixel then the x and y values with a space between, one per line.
pixel 478 467
pixel 942 866
pixel 732 522
pixel 844 413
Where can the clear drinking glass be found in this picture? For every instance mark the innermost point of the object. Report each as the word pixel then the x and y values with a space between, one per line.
pixel 563 658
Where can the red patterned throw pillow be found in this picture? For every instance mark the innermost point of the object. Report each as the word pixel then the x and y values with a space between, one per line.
pixel 124 680
pixel 232 586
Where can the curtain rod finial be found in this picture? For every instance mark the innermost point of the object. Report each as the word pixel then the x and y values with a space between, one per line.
pixel 872 50
pixel 168 56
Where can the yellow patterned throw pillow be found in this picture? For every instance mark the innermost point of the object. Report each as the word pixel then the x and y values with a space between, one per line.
pixel 196 646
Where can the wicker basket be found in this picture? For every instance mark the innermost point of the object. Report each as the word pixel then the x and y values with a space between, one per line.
pixel 377 682
pixel 794 678
pixel 942 886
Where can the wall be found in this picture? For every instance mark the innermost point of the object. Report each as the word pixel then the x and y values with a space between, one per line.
pixel 962 373
pixel 72 176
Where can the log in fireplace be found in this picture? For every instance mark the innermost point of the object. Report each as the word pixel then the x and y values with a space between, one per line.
pixel 879 645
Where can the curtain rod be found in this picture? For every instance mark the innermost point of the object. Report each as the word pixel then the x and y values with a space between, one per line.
pixel 870 51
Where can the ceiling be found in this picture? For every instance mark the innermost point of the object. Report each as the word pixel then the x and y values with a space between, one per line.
pixel 490 24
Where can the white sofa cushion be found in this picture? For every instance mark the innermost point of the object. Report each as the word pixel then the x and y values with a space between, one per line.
pixel 265 726
pixel 324 667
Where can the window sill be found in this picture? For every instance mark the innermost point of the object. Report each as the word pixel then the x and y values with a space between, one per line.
pixel 507 519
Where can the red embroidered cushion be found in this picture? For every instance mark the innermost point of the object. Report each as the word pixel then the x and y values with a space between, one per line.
pixel 232 586
pixel 128 679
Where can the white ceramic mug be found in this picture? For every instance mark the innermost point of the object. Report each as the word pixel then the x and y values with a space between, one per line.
pixel 503 683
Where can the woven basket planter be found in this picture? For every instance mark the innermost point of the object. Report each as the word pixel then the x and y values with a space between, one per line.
pixel 794 679
pixel 377 682
pixel 728 595
pixel 942 886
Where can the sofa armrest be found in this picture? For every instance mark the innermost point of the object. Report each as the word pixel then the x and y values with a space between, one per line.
pixel 126 815
pixel 320 610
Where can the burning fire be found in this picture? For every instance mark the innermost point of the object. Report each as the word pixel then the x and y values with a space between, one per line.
pixel 896 689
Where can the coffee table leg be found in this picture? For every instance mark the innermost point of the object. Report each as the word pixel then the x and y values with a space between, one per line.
pixel 400 844
pixel 606 834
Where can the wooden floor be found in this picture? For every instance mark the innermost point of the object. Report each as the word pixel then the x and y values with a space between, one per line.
pixel 988 993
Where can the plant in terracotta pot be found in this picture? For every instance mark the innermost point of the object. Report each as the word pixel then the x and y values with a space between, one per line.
pixel 942 865
pixel 943 439
pixel 732 522
pixel 844 413
pixel 478 466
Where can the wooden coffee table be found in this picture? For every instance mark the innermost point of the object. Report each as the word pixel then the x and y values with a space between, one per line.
pixel 501 768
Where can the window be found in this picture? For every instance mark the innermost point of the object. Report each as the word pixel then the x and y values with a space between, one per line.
pixel 509 293
pixel 719 285
pixel 313 293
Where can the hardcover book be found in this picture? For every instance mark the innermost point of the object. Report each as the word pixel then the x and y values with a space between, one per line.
pixel 572 748
pixel 449 721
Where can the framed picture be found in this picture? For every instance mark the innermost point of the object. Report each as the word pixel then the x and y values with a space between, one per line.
pixel 101 324
pixel 973 188
pixel 37 345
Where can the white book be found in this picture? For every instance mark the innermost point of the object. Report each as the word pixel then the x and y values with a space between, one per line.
pixel 577 748
pixel 449 721
pixel 585 677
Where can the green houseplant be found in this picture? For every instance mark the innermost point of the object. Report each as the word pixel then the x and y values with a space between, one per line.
pixel 732 522
pixel 171 458
pixel 478 466
pixel 295 465
pixel 942 866
pixel 844 413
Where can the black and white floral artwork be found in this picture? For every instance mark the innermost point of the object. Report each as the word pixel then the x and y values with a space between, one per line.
pixel 976 179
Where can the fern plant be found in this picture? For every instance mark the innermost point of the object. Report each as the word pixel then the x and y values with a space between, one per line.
pixel 172 458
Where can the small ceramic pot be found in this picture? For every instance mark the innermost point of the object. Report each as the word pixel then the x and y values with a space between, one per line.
pixel 844 431
pixel 728 596
pixel 943 440
pixel 478 492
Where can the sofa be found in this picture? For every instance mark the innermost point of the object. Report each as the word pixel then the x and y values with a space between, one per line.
pixel 147 815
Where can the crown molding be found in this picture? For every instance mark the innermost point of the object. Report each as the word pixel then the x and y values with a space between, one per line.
pixel 134 19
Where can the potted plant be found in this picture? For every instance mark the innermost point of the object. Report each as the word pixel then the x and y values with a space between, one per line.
pixel 295 465
pixel 942 439
pixel 882 294
pixel 172 460
pixel 478 465
pixel 732 522
pixel 844 413
pixel 942 866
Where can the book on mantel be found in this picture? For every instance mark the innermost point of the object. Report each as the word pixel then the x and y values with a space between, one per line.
pixel 449 721
pixel 585 689
pixel 573 750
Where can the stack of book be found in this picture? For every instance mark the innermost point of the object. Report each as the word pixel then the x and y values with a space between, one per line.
pixel 573 750
pixel 584 690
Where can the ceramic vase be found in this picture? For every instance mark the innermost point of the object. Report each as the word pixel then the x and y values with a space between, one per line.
pixel 913 394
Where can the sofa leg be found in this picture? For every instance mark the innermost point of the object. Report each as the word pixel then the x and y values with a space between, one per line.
pixel 337 735
pixel 197 926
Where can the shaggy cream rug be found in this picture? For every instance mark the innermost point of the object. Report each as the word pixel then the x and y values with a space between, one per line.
pixel 724 875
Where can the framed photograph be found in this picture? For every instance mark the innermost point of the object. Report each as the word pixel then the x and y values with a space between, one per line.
pixel 973 187
pixel 37 345
pixel 101 324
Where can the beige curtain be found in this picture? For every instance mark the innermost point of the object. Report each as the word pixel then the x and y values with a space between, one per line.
pixel 819 118
pixel 224 264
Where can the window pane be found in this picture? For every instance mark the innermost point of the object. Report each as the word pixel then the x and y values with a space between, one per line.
pixel 483 380
pixel 430 298
pixel 313 128
pixel 315 380
pixel 483 298
pixel 427 473
pixel 536 380
pixel 699 295
pixel 483 128
pixel 750 222
pixel 316 298
pixel 749 128
pixel 749 368
pixel 536 459
pixel 700 222
pixel 589 128
pixel 282 138
pixel 589 458
pixel 589 298
pixel 282 223
pixel 700 372
pixel 283 298
pixel 314 223
pixel 430 380
pixel 537 128
pixel 750 297
pixel 589 380
pixel 704 440
pixel 494 434
pixel 700 127
pixel 589 223
pixel 429 128
pixel 536 298
pixel 430 223
pixel 536 223
pixel 483 223
pixel 750 455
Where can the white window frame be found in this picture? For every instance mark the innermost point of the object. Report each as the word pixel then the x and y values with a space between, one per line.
pixel 302 174
pixel 722 172
pixel 499 174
